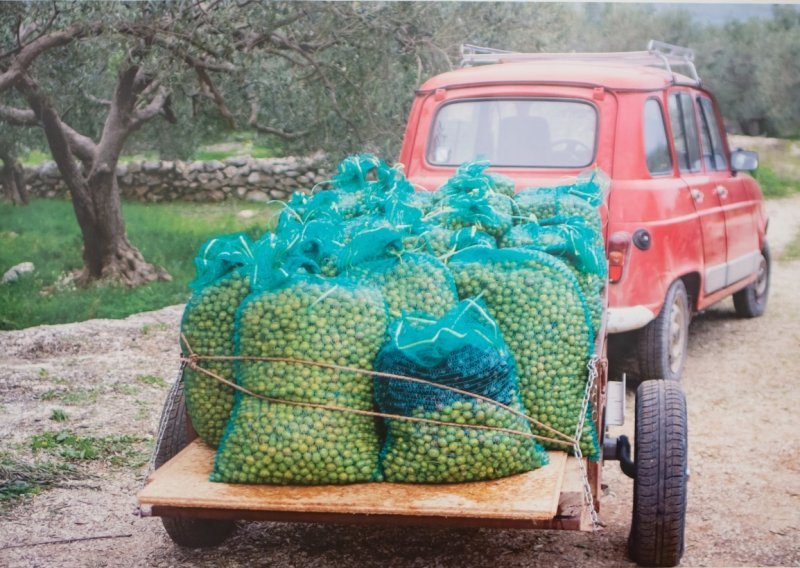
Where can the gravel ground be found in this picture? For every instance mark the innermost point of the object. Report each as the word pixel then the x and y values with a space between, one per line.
pixel 740 382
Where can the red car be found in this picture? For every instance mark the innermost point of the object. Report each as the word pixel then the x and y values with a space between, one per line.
pixel 686 227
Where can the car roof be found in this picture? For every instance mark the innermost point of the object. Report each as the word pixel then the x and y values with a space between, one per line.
pixel 613 76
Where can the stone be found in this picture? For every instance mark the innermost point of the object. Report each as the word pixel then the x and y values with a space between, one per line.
pixel 258 196
pixel 278 194
pixel 241 192
pixel 229 172
pixel 236 161
pixel 13 273
pixel 246 214
pixel 216 196
pixel 214 165
pixel 196 167
pixel 203 178
pixel 151 166
pixel 121 170
pixel 50 169
pixel 167 166
pixel 254 178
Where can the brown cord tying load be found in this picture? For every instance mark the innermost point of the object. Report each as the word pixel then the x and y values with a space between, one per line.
pixel 193 358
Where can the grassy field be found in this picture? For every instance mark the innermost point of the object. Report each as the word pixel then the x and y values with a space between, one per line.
pixel 47 234
pixel 774 185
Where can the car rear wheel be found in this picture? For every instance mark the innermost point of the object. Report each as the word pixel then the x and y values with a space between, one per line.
pixel 173 437
pixel 751 302
pixel 663 343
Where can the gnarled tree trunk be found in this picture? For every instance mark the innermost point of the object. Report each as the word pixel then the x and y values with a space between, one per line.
pixel 12 176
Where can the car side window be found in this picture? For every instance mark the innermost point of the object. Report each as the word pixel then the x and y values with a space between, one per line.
pixel 714 153
pixel 684 132
pixel 656 144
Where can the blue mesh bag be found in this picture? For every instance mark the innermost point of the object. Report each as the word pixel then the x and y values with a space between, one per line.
pixel 464 350
pixel 542 313
pixel 442 243
pixel 331 321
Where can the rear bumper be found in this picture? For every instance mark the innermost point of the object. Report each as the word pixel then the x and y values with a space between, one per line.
pixel 628 319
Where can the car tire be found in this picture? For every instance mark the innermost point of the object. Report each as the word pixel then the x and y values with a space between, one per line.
pixel 751 302
pixel 660 486
pixel 663 343
pixel 173 437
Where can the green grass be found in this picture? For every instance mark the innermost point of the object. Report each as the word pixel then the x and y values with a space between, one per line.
pixel 19 478
pixel 59 415
pixel 206 154
pixel 47 234
pixel 116 450
pixel 152 380
pixel 773 185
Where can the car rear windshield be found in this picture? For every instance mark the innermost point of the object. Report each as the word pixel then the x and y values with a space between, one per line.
pixel 529 133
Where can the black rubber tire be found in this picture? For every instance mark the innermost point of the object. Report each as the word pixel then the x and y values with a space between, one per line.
pixel 187 532
pixel 657 360
pixel 751 302
pixel 660 484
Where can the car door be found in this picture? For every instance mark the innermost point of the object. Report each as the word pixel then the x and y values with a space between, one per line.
pixel 739 208
pixel 702 186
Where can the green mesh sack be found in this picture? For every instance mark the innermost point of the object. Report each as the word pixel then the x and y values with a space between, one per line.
pixel 410 282
pixel 581 198
pixel 544 319
pixel 332 321
pixel 225 267
pixel 463 350
pixel 504 185
pixel 442 243
pixel 571 239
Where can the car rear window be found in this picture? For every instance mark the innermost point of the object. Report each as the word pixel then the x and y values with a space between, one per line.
pixel 528 133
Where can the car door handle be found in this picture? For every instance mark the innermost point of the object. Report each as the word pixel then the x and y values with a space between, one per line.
pixel 697 195
pixel 722 191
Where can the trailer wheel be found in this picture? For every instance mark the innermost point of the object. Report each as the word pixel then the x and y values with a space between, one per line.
pixel 660 482
pixel 663 342
pixel 173 437
pixel 751 302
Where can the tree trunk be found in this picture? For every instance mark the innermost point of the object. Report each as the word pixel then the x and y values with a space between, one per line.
pixel 107 252
pixel 12 177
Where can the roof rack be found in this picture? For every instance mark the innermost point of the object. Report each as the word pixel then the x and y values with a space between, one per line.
pixel 658 54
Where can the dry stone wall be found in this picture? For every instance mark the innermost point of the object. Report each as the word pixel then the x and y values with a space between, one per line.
pixel 215 180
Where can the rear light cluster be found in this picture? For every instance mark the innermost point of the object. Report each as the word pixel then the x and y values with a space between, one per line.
pixel 619 250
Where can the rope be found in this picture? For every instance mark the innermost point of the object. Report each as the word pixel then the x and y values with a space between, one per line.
pixel 193 358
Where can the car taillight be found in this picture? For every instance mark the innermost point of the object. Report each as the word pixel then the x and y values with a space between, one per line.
pixel 619 246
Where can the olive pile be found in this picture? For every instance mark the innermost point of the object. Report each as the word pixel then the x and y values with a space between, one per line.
pixel 543 317
pixel 529 235
pixel 331 321
pixel 418 452
pixel 546 203
pixel 409 282
pixel 208 324
pixel 490 212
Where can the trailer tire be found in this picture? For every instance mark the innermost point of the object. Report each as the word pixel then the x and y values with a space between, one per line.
pixel 751 302
pixel 663 343
pixel 660 483
pixel 173 437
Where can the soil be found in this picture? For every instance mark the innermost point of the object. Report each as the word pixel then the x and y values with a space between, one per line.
pixel 740 382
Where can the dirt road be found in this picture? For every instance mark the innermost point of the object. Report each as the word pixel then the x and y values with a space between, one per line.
pixel 110 378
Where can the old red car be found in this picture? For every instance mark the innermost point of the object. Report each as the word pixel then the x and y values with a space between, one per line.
pixel 685 226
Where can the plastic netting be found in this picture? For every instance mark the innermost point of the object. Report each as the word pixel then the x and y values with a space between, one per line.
pixel 409 281
pixel 581 198
pixel 470 199
pixel 333 321
pixel 464 350
pixel 574 241
pixel 544 318
pixel 442 242
pixel 225 267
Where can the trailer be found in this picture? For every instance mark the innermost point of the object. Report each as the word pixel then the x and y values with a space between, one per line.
pixel 563 495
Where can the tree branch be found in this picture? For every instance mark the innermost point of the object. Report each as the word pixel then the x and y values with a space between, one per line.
pixel 161 104
pixel 253 123
pixel 30 52
pixel 211 92
pixel 18 116
pixel 82 146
